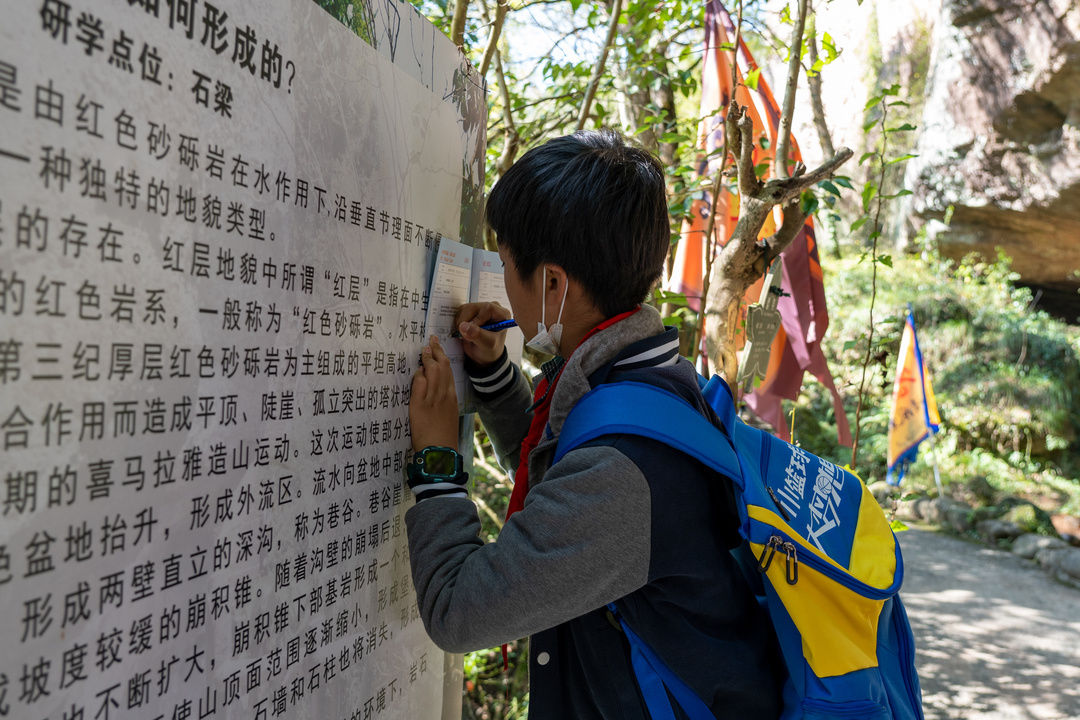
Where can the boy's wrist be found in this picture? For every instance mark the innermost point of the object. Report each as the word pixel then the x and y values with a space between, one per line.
pixel 478 369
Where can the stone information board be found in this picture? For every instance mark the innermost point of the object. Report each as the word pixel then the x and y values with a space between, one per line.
pixel 217 222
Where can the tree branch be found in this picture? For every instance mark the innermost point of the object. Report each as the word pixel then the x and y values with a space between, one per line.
pixel 457 26
pixel 748 181
pixel 794 65
pixel 782 191
pixel 814 82
pixel 501 8
pixel 730 136
pixel 594 81
pixel 775 244
pixel 511 140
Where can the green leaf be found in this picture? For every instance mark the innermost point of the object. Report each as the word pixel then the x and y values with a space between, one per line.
pixel 673 321
pixel 901 128
pixel 868 193
pixel 872 102
pixel 866 156
pixel 829 187
pixel 843 181
pixel 760 169
pixel 785 15
pixel 670 298
pixel 902 158
pixel 575 4
pixel 869 124
pixel 858 223
pixel 831 51
pixel 850 344
pixel 893 89
pixel 885 260
pixel 898 526
pixel 751 79
pixel 808 203
pixel 674 138
pixel 764 142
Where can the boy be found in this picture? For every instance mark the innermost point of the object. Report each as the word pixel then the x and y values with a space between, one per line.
pixel 583 232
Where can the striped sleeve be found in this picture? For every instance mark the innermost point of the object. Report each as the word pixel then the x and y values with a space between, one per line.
pixel 489 381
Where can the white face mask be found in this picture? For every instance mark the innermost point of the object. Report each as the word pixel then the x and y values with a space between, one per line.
pixel 545 340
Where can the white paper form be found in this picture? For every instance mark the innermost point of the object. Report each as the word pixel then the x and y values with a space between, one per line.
pixel 488 286
pixel 450 285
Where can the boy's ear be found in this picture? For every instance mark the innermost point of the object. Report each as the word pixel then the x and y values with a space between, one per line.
pixel 556 278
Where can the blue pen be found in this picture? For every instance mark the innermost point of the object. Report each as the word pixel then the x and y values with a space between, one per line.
pixel 491 327
pixel 500 325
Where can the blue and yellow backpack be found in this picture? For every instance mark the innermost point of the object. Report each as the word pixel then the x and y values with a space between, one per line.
pixel 829 562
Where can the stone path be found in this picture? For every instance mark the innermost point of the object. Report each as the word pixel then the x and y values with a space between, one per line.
pixel 996 637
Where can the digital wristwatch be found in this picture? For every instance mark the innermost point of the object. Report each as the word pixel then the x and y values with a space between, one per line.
pixel 435 471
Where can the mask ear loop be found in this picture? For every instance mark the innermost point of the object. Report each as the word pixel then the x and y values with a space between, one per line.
pixel 543 301
pixel 562 305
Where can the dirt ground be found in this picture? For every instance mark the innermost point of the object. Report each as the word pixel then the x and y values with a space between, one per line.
pixel 996 637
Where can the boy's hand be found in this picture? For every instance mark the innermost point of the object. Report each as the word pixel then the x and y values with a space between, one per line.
pixel 433 405
pixel 482 347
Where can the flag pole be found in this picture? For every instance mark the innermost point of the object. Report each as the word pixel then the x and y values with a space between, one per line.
pixel 933 463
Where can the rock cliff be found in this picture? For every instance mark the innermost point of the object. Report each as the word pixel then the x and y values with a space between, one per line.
pixel 1000 140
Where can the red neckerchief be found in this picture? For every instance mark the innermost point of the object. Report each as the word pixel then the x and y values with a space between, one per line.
pixel 541 410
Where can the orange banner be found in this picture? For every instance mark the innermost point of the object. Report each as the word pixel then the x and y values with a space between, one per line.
pixel 796 348
pixel 915 414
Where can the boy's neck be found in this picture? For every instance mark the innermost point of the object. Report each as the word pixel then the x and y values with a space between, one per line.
pixel 599 322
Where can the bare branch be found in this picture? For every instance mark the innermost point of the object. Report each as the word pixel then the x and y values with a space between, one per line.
pixel 512 140
pixel 794 65
pixel 594 81
pixel 487 511
pixel 547 56
pixel 457 26
pixel 748 182
pixel 778 243
pixel 814 81
pixel 501 8
pixel 732 136
pixel 783 191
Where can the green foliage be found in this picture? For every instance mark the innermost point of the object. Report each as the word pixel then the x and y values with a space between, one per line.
pixel 495 693
pixel 1005 375
pixel 353 14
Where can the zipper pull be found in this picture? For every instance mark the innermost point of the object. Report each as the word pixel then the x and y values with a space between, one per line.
pixel 776 501
pixel 768 551
pixel 791 571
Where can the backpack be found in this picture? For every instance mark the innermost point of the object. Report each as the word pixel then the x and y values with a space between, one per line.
pixel 829 563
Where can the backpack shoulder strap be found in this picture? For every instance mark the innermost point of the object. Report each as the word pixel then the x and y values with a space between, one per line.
pixel 639 409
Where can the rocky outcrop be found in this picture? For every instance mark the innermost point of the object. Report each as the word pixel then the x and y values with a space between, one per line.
pixel 1000 138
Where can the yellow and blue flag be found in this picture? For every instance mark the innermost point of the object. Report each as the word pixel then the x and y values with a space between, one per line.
pixel 915 414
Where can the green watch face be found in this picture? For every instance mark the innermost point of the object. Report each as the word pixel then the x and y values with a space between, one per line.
pixel 439 461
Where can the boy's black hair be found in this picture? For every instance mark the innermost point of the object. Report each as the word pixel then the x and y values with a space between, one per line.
pixel 591 204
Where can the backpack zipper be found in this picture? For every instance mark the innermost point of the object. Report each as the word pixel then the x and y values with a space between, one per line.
pixel 907 652
pixel 791 558
pixel 779 541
